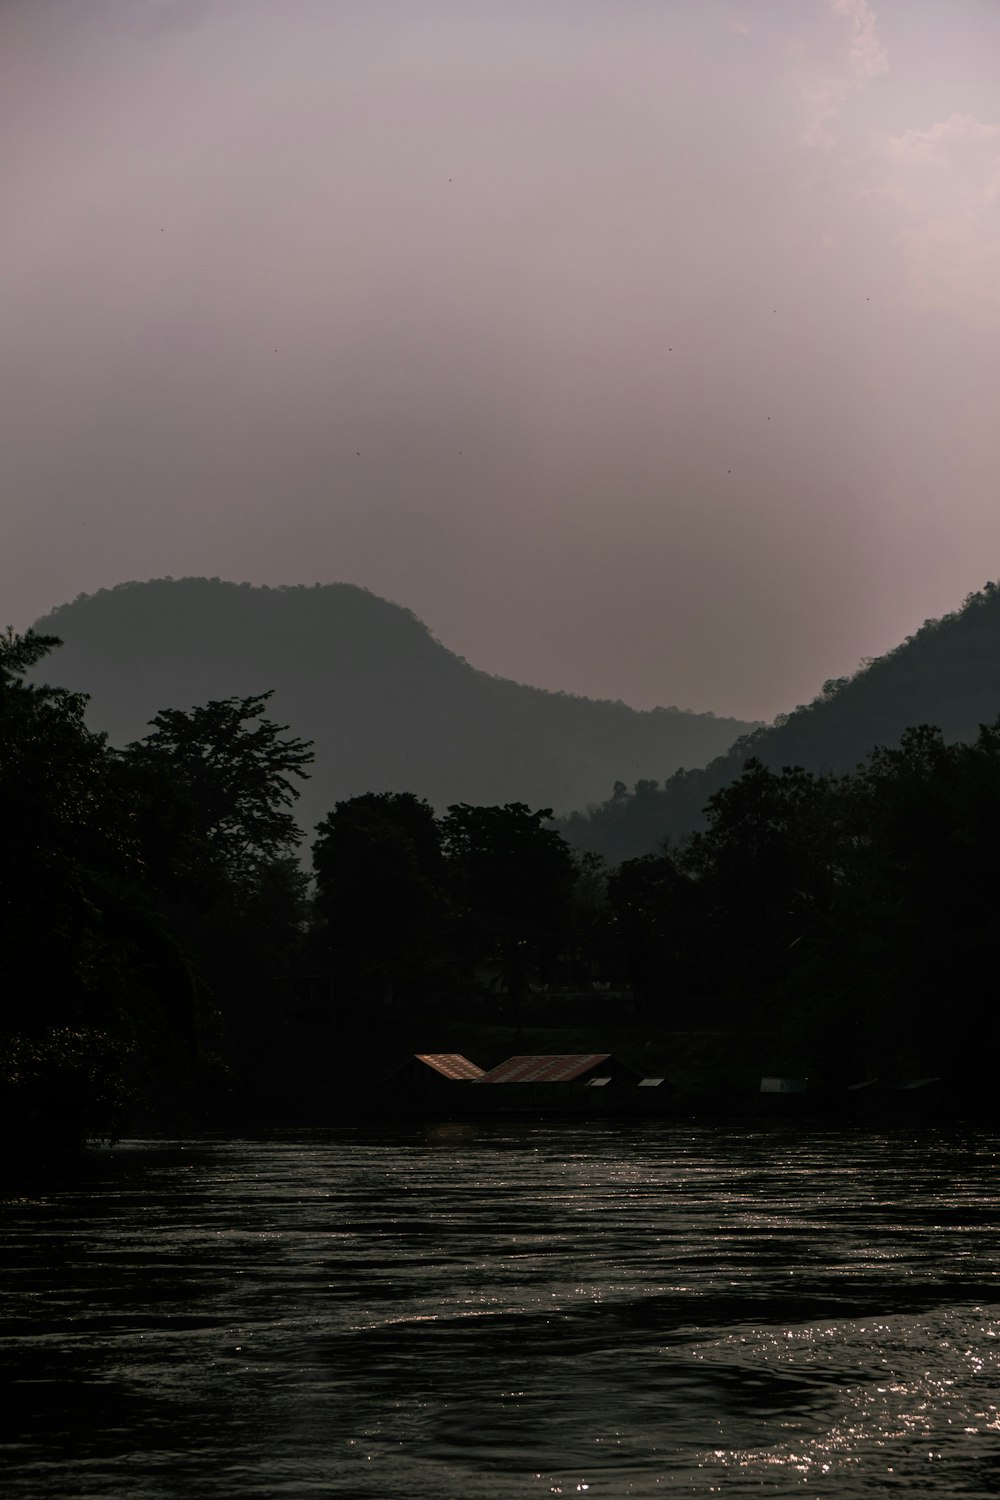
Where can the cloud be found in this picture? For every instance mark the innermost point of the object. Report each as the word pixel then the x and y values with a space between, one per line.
pixel 868 58
pixel 945 181
pixel 824 90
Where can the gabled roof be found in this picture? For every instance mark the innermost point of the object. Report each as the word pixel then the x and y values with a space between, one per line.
pixel 549 1067
pixel 450 1064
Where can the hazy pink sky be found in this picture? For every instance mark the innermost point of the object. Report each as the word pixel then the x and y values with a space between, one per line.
pixel 644 348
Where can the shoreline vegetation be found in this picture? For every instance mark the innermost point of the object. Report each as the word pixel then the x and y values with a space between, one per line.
pixel 167 963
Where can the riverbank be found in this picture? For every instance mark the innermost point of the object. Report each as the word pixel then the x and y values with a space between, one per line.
pixel 329 1072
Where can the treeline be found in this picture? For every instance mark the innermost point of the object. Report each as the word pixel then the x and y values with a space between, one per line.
pixel 156 922
pixel 147 898
pixel 157 928
pixel 946 674
pixel 851 919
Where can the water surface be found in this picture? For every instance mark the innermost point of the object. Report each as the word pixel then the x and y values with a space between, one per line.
pixel 508 1310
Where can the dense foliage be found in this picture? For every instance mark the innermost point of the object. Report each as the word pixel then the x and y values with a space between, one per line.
pixel 157 928
pixel 134 887
pixel 853 917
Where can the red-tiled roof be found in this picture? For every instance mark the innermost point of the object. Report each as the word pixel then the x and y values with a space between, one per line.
pixel 450 1064
pixel 549 1067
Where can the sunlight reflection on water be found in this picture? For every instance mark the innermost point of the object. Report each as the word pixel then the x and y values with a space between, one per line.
pixel 506 1310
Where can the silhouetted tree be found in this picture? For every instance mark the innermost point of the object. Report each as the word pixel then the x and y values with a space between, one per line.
pixel 218 785
pixel 64 843
pixel 91 978
pixel 381 911
pixel 766 869
pixel 511 880
pixel 587 949
pixel 236 770
pixel 658 934
pixel 923 893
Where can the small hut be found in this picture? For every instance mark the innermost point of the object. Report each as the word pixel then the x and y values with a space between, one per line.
pixel 558 1082
pixel 561 1067
pixel 428 1080
pixel 783 1085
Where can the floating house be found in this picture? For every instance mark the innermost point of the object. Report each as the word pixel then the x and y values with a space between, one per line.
pixel 783 1085
pixel 652 1096
pixel 785 1096
pixel 558 1083
pixel 449 1064
pixel 562 1067
pixel 427 1079
pixel 578 1082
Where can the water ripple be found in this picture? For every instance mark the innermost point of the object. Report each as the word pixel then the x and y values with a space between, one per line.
pixel 506 1310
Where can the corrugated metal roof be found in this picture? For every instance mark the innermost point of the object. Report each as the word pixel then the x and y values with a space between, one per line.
pixel 549 1067
pixel 450 1064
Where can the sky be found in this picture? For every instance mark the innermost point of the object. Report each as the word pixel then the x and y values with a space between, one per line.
pixel 645 349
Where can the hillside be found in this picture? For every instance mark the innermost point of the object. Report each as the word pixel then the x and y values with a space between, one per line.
pixel 947 674
pixel 389 707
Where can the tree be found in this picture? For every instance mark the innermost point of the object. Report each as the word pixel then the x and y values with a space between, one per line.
pixel 218 783
pixel 588 933
pixel 923 895
pixel 93 983
pixel 767 870
pixel 236 772
pixel 657 932
pixel 511 879
pixel 63 840
pixel 381 910
pixel 19 653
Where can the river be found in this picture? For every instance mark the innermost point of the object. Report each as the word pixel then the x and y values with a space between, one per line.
pixel 508 1309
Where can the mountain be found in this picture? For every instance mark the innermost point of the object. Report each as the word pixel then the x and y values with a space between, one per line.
pixel 947 674
pixel 389 707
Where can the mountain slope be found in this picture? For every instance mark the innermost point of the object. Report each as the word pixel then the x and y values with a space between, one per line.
pixel 947 674
pixel 388 706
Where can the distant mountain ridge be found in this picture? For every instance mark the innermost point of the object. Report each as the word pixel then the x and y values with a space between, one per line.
pixel 389 707
pixel 946 674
